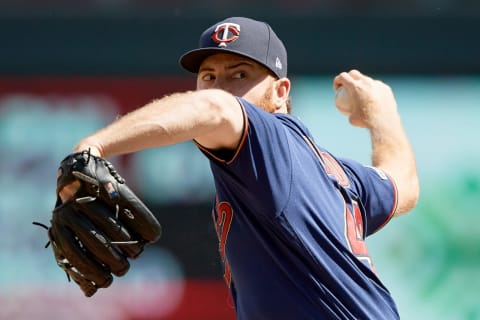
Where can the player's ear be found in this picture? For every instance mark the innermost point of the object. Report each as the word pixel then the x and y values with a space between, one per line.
pixel 281 94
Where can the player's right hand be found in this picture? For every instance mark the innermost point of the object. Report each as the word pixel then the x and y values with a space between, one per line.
pixel 372 101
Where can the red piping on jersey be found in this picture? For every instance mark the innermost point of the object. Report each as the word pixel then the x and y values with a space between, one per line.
pixel 329 164
pixel 395 191
pixel 240 144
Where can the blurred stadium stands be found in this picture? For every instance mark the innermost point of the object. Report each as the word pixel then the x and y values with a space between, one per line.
pixel 146 37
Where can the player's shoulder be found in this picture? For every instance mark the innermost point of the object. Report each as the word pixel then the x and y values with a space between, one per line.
pixel 289 121
pixel 294 123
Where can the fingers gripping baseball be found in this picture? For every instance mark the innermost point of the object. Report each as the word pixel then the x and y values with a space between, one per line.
pixel 366 101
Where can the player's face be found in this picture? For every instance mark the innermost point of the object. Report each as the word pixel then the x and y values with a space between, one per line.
pixel 240 76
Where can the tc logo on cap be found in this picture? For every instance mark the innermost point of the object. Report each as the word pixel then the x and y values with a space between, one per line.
pixel 225 33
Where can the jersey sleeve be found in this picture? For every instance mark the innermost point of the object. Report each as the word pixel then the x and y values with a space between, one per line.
pixel 377 193
pixel 257 172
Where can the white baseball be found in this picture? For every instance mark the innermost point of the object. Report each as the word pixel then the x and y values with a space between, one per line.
pixel 343 102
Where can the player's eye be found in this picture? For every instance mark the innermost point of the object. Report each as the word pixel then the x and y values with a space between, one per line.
pixel 208 77
pixel 239 75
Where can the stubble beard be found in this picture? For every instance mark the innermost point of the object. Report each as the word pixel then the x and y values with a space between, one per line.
pixel 266 102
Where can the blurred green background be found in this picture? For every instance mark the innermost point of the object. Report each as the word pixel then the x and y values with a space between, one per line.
pixel 67 68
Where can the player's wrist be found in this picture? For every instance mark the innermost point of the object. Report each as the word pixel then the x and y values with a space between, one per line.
pixel 92 147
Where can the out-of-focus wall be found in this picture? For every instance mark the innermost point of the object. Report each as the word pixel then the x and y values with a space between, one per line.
pixel 426 258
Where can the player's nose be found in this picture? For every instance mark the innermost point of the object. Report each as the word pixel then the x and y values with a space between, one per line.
pixel 221 83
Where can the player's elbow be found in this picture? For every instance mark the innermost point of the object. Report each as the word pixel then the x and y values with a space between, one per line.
pixel 408 196
pixel 216 106
pixel 223 118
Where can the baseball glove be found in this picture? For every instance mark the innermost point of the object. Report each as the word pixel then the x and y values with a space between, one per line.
pixel 94 233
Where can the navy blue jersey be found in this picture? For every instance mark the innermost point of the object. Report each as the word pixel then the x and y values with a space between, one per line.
pixel 292 220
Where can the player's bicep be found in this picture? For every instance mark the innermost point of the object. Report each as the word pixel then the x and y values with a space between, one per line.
pixel 376 191
pixel 227 118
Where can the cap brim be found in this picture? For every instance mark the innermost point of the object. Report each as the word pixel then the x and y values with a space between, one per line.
pixel 192 60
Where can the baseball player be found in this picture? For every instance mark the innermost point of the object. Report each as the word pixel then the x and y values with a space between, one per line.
pixel 291 218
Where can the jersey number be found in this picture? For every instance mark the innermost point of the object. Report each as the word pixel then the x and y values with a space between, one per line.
pixel 354 234
pixel 223 220
pixel 353 215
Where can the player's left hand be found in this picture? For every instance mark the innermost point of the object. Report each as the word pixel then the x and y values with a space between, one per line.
pixel 98 223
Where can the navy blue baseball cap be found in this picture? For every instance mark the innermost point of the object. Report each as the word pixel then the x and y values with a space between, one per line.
pixel 243 36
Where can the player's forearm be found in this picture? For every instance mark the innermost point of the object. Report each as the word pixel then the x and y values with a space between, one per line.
pixel 170 120
pixel 393 153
